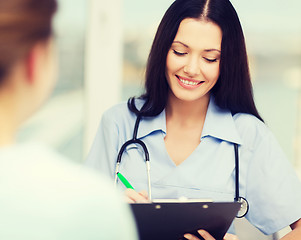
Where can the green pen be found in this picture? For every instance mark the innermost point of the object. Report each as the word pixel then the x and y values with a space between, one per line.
pixel 124 180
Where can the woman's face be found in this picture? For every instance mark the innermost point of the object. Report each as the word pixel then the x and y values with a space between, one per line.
pixel 192 64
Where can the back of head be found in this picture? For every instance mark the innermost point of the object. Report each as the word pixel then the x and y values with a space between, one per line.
pixel 233 89
pixel 23 23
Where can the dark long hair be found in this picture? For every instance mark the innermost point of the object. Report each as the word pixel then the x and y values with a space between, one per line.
pixel 233 89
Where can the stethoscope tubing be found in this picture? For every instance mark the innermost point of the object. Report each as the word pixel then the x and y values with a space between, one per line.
pixel 134 140
pixel 236 172
pixel 244 203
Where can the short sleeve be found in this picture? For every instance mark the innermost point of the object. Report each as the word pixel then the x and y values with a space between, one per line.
pixel 102 155
pixel 273 189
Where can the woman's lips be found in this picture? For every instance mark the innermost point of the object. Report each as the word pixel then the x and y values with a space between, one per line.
pixel 188 83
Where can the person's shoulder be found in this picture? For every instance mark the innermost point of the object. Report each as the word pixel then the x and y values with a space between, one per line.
pixel 46 162
pixel 122 107
pixel 121 112
pixel 79 176
pixel 245 120
pixel 27 163
pixel 250 128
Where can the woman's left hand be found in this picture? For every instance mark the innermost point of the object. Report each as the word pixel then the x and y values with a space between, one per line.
pixel 207 236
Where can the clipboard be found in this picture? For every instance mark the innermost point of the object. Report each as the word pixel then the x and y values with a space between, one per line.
pixel 171 220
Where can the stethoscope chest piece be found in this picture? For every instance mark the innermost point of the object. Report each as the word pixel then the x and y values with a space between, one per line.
pixel 244 207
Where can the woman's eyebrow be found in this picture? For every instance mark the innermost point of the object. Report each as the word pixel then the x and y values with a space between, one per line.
pixel 212 50
pixel 181 43
pixel 205 50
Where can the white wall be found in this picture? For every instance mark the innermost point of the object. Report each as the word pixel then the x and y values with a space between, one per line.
pixel 103 63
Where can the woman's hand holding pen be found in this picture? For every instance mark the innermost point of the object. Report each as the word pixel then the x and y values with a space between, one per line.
pixel 207 236
pixel 136 197
pixel 131 195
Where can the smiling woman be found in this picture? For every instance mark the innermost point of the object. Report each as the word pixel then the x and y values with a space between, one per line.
pixel 192 62
pixel 197 108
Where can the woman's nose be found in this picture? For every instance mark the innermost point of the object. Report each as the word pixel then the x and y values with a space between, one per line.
pixel 192 67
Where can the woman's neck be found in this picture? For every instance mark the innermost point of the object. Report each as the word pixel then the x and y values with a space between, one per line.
pixel 8 124
pixel 187 112
pixel 7 135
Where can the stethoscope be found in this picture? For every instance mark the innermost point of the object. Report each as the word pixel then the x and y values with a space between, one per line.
pixel 244 203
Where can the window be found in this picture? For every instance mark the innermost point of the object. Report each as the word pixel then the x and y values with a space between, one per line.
pixel 60 122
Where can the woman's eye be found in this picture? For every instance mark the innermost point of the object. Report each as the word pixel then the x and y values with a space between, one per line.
pixel 210 59
pixel 178 53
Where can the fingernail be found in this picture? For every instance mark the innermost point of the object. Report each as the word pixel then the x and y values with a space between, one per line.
pixel 188 236
pixel 201 232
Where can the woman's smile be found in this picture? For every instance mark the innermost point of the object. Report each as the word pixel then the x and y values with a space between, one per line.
pixel 188 83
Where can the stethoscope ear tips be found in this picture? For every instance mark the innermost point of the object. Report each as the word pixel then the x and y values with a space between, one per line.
pixel 244 207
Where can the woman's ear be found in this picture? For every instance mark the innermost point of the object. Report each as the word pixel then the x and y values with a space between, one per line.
pixel 32 62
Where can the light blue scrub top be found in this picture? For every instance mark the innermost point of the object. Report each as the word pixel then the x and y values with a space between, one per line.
pixel 267 179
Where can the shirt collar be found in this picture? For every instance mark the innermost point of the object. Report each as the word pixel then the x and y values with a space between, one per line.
pixel 219 123
pixel 151 124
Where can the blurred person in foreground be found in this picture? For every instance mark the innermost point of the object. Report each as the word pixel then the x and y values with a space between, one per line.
pixel 42 195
